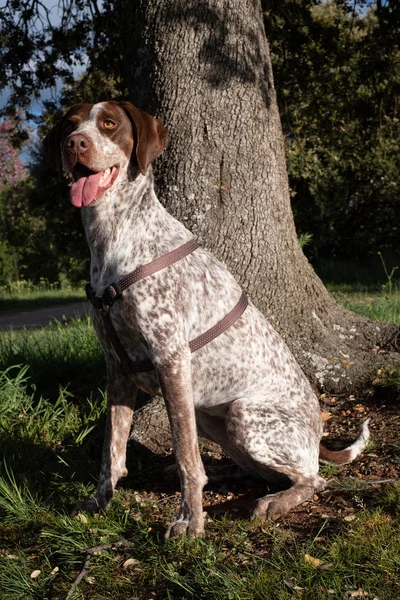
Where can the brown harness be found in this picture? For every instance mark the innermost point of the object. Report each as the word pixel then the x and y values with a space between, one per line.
pixel 114 291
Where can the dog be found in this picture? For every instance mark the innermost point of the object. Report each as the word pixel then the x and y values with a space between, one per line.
pixel 242 387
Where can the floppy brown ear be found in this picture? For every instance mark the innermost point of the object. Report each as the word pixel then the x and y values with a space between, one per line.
pixel 150 135
pixel 52 148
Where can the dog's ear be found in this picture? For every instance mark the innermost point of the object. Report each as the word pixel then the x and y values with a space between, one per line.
pixel 150 135
pixel 52 148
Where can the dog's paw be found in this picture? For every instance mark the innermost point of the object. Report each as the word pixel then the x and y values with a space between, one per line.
pixel 268 507
pixel 179 529
pixel 91 506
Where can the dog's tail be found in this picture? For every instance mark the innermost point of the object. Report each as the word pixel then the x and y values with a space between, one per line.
pixel 341 457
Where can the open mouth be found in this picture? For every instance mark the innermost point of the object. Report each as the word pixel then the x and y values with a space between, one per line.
pixel 88 185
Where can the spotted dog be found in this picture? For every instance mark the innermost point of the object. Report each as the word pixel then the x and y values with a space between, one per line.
pixel 243 389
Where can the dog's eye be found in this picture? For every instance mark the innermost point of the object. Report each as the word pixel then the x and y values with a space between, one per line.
pixel 108 124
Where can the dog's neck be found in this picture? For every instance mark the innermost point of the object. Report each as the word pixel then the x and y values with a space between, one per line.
pixel 128 227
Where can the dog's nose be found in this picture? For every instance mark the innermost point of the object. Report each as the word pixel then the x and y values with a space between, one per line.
pixel 78 142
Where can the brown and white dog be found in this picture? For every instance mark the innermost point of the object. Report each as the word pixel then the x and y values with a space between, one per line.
pixel 244 389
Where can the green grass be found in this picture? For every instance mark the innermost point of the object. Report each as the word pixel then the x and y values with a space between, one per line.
pixel 57 355
pixel 51 429
pixel 24 295
pixel 376 305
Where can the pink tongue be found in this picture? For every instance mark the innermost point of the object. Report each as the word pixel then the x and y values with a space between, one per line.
pixel 84 190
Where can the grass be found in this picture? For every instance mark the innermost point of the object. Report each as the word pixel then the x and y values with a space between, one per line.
pixel 377 305
pixel 51 429
pixel 60 354
pixel 24 295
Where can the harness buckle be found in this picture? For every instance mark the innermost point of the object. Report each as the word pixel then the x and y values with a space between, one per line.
pixel 104 302
pixel 110 294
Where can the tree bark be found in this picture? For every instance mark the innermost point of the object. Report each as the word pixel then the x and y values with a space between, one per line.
pixel 203 67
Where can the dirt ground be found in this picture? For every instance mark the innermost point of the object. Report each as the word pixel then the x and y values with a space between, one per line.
pixel 350 487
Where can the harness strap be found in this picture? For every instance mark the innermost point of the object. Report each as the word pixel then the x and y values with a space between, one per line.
pixel 114 291
pixel 146 365
pixel 222 325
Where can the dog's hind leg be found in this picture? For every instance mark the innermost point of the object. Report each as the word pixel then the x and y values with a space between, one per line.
pixel 279 446
pixel 280 503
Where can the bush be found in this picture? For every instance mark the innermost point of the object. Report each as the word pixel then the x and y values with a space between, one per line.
pixel 8 263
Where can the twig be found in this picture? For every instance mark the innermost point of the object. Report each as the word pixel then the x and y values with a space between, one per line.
pixel 97 549
pixel 86 565
pixel 370 482
pixel 81 575
pixel 360 484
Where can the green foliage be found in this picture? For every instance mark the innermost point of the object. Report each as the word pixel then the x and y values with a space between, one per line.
pixel 41 46
pixel 305 239
pixel 13 176
pixel 8 263
pixel 60 250
pixel 43 234
pixel 337 74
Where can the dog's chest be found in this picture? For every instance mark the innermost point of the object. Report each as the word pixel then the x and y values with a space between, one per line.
pixel 124 319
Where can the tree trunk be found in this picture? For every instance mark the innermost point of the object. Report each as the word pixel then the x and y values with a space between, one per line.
pixel 203 67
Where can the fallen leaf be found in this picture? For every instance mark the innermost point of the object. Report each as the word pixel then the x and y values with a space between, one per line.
pixel 327 566
pixel 325 415
pixel 314 562
pixel 81 517
pixel 35 574
pixel 357 593
pixel 131 562
pixel 292 585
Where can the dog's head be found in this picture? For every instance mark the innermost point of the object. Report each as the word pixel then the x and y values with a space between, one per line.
pixel 95 143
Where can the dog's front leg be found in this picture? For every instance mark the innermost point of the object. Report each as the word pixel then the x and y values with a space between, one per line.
pixel 175 380
pixel 121 397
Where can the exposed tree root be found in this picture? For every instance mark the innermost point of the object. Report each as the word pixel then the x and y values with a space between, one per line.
pixel 346 352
